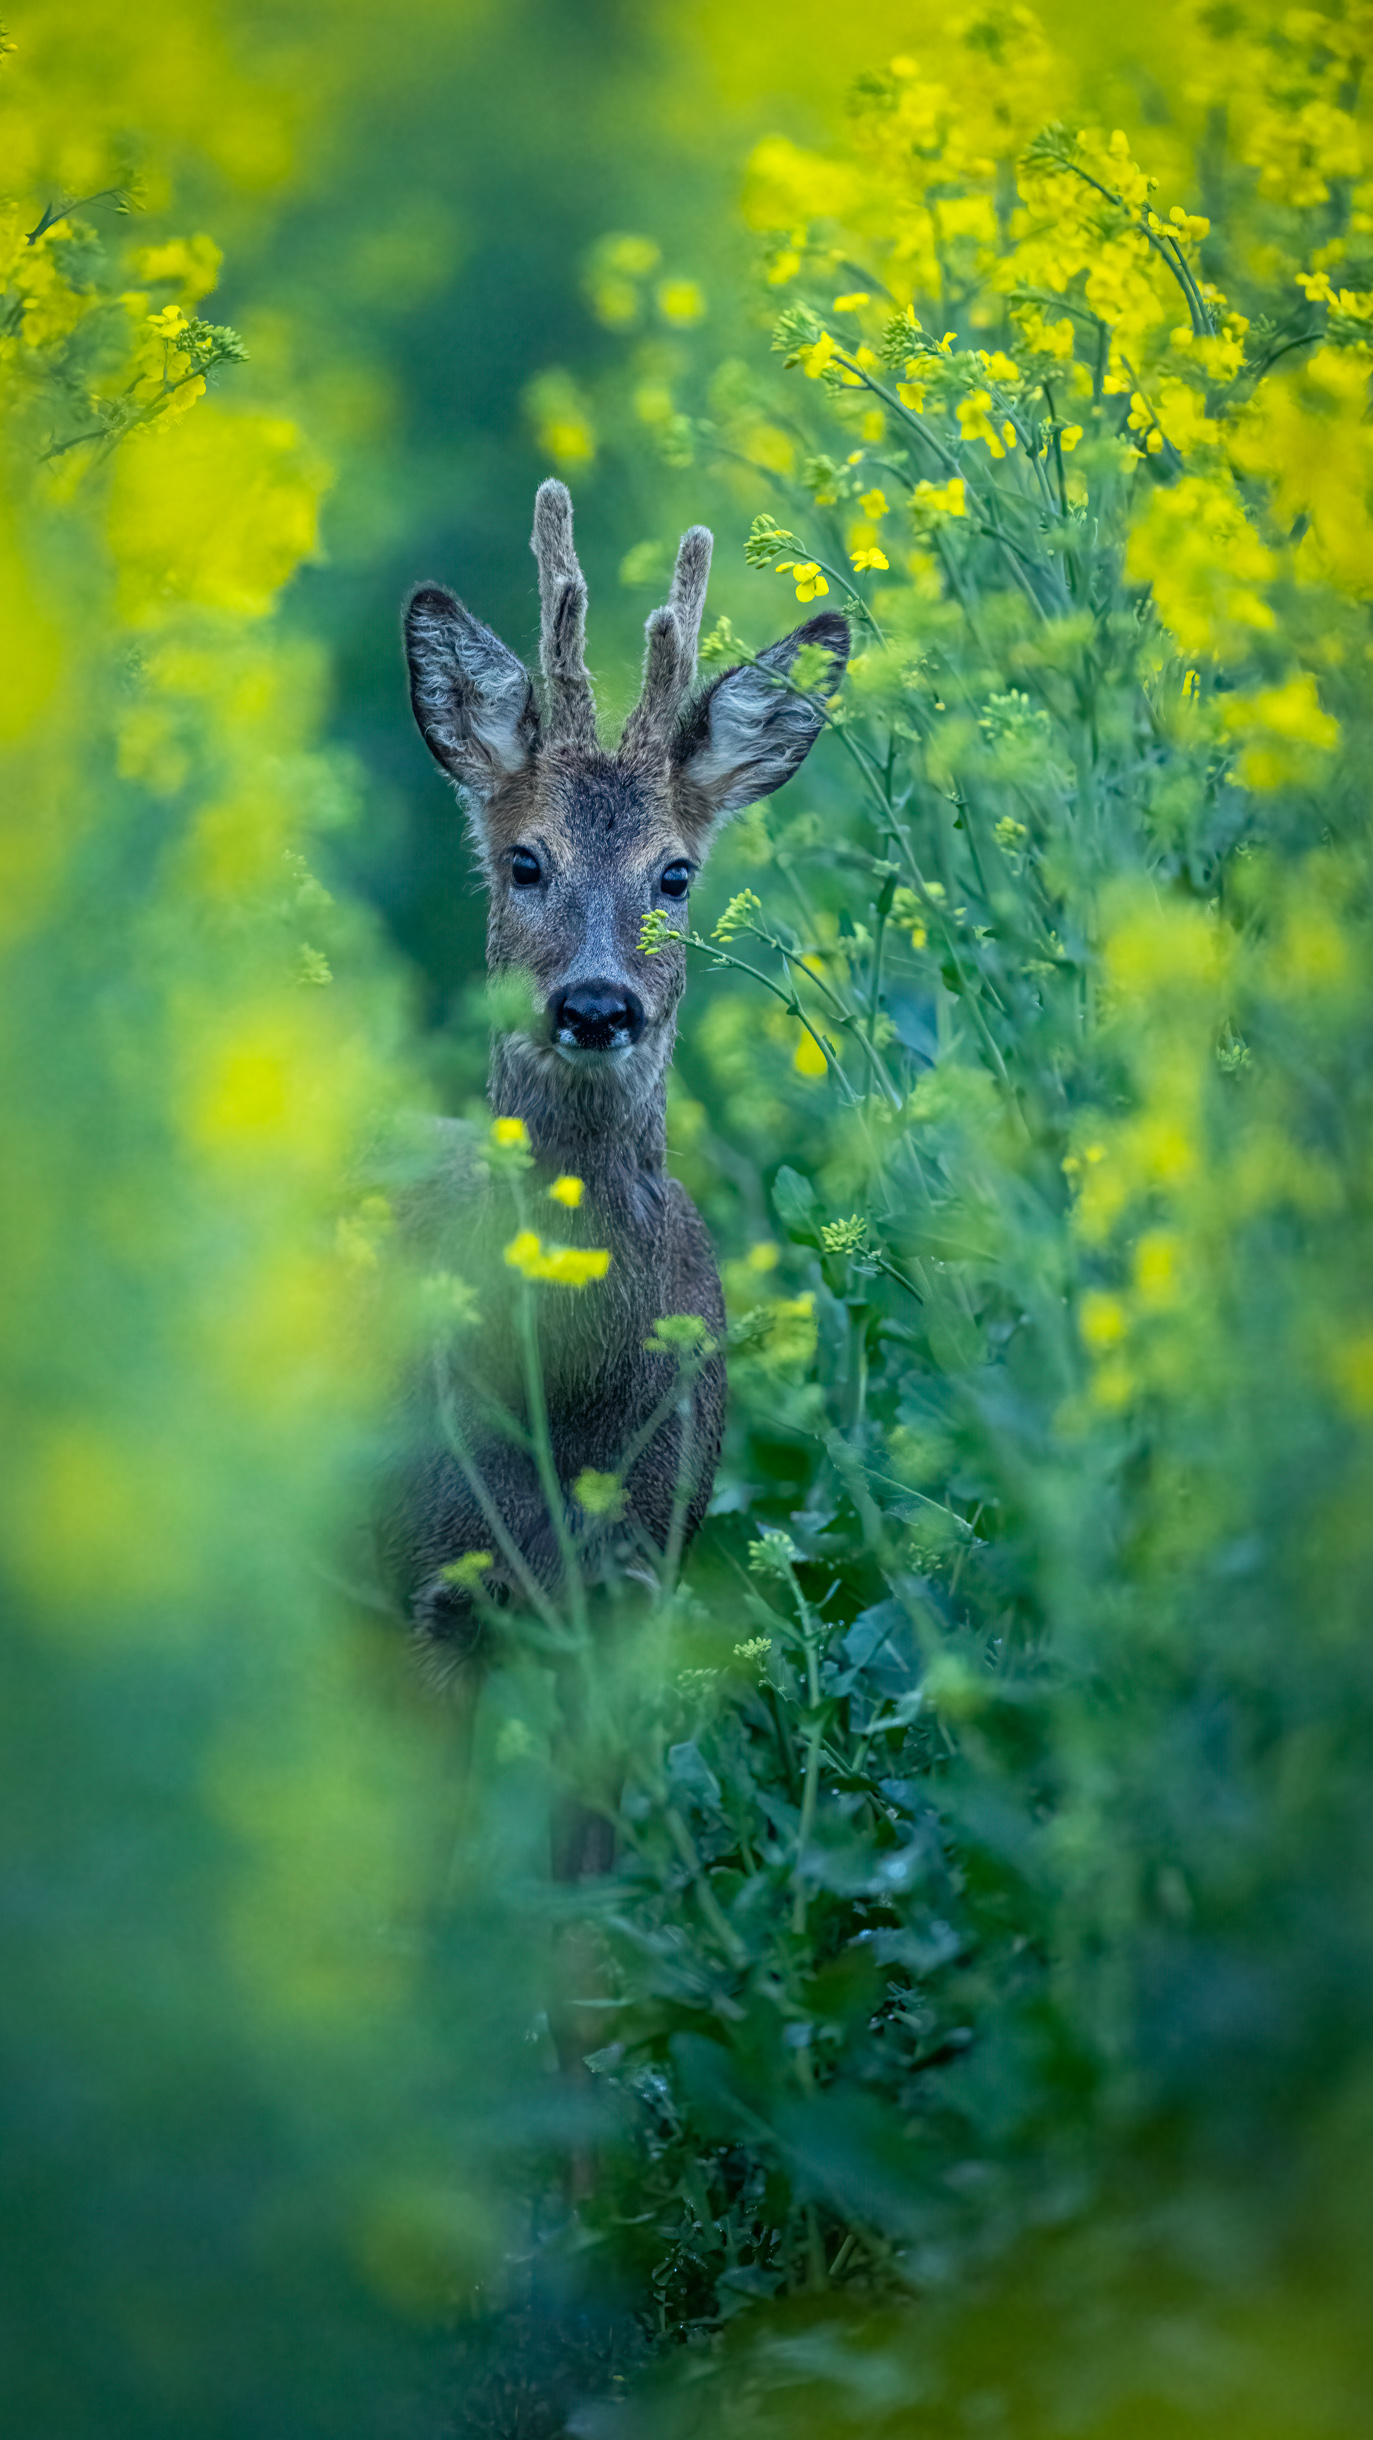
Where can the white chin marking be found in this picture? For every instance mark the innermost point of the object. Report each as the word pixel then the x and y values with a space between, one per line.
pixel 576 1057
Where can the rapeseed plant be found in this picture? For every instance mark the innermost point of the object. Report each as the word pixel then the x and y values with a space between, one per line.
pixel 1055 1556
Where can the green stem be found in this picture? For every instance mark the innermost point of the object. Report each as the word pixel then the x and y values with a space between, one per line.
pixel 849 1018
pixel 1176 261
pixel 789 1001
pixel 809 1794
pixel 710 1905
pixel 514 1558
pixel 681 1500
pixel 526 1321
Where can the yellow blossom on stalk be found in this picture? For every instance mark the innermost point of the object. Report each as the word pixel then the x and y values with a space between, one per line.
pixel 564 1266
pixel 810 582
pixel 815 358
pixel 508 1148
pixel 975 422
pixel 1205 560
pixel 1183 417
pixel 574 1266
pixel 568 1191
pixel 942 499
pixel 1069 437
pixel 870 557
pixel 1141 419
pixel 874 503
pixel 1040 336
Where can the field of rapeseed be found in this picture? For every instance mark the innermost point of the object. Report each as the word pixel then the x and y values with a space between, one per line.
pixel 983 1991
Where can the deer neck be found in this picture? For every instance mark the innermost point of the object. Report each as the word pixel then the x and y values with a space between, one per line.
pixel 596 1123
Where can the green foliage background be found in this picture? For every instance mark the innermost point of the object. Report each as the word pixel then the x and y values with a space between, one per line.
pixel 983 1992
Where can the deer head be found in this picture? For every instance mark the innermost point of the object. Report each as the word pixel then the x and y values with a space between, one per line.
pixel 577 844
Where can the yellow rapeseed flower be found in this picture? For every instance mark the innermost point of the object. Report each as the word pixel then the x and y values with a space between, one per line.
pixel 975 423
pixel 814 359
pixel 565 1266
pixel 524 1253
pixel 574 1266
pixel 809 581
pixel 567 1190
pixel 945 499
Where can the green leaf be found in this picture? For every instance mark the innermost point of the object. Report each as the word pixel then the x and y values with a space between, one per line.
pixel 794 1201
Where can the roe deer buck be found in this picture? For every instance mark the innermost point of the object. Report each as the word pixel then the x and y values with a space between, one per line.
pixel 577 845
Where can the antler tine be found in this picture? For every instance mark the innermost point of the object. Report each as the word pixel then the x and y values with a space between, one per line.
pixel 649 725
pixel 670 651
pixel 688 596
pixel 562 636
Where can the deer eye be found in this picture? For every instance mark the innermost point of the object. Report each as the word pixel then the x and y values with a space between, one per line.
pixel 676 881
pixel 524 868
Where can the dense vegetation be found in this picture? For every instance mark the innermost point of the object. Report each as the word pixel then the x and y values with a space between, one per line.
pixel 983 1992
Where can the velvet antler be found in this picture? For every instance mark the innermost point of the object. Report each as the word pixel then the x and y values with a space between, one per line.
pixel 670 653
pixel 562 639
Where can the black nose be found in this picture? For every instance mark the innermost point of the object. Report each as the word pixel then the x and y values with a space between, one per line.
pixel 596 1016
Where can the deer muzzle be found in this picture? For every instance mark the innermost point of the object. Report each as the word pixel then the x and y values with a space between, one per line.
pixel 595 1017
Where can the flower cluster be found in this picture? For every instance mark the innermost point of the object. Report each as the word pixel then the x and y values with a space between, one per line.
pixel 565 1266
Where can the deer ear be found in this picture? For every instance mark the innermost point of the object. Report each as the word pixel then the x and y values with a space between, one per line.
pixel 749 733
pixel 473 700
